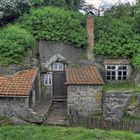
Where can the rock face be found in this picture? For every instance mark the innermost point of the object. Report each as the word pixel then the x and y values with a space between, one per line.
pixel 13 68
pixel 115 104
pixel 20 113
pixel 86 100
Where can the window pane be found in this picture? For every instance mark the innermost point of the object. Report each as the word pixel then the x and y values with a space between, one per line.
pixel 58 66
pixel 113 67
pixel 113 73
pixel 119 73
pixel 124 73
pixel 124 77
pixel 120 68
pixel 55 66
pixel 119 78
pixel 108 67
pixel 108 72
pixel 48 79
pixel 108 77
pixel 113 77
pixel 124 67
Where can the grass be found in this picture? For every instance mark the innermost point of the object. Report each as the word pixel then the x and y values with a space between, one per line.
pixel 127 86
pixel 62 133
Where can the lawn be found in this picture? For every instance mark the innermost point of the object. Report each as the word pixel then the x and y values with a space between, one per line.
pixel 126 86
pixel 62 133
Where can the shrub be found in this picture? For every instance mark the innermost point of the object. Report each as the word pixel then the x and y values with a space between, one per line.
pixel 11 9
pixel 56 24
pixel 115 39
pixel 136 61
pixel 14 43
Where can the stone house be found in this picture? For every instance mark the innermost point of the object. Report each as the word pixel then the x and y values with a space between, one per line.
pixel 21 88
pixel 84 91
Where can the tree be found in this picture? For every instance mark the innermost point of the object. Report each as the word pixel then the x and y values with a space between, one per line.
pixel 137 17
pixel 11 9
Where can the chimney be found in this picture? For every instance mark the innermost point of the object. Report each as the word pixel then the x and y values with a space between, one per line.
pixel 90 30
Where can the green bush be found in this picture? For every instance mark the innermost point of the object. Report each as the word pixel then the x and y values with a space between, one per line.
pixel 56 24
pixel 14 43
pixel 136 61
pixel 115 39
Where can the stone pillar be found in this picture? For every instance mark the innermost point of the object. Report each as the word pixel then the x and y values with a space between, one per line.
pixel 90 30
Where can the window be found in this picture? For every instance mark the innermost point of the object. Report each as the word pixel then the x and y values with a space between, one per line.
pixel 116 72
pixel 48 79
pixel 58 66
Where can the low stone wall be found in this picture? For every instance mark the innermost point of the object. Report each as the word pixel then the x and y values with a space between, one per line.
pixel 116 104
pixel 86 100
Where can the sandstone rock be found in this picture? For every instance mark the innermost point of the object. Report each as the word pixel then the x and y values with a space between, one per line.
pixel 17 121
pixel 21 112
pixel 115 104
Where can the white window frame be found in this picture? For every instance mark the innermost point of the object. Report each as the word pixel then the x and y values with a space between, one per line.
pixel 116 70
pixel 48 79
pixel 58 66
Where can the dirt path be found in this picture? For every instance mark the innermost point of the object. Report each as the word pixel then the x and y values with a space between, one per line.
pixel 57 114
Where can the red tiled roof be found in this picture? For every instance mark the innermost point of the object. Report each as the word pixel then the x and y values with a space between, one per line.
pixel 83 75
pixel 19 84
pixel 116 62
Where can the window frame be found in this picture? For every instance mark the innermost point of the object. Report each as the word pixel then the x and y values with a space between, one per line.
pixel 59 66
pixel 46 79
pixel 116 70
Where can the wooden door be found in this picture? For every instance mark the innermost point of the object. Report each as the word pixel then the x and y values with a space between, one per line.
pixel 59 88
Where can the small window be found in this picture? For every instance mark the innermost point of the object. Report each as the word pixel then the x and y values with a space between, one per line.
pixel 48 79
pixel 116 72
pixel 110 75
pixel 58 66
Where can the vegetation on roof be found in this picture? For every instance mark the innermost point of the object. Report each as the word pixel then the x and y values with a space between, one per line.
pixel 62 133
pixel 56 24
pixel 116 33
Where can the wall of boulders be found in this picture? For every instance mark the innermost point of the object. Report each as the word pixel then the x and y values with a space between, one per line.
pixel 116 104
pixel 18 112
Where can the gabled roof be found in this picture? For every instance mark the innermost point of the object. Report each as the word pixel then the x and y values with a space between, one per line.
pixel 83 75
pixel 19 84
pixel 116 62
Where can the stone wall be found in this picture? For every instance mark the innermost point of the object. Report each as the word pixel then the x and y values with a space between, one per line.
pixel 116 104
pixel 14 101
pixel 85 99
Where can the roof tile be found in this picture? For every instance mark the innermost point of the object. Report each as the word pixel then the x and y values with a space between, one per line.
pixel 19 84
pixel 83 75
